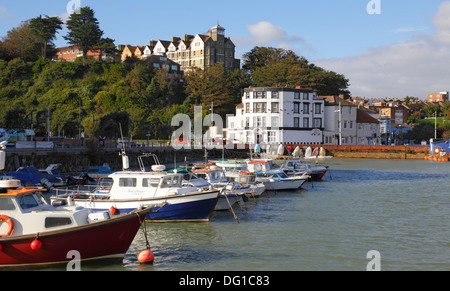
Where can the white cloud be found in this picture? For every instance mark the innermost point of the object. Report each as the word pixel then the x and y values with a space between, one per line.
pixel 265 33
pixel 410 29
pixel 414 67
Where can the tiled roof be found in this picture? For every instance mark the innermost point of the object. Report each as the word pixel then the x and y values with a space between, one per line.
pixel 363 117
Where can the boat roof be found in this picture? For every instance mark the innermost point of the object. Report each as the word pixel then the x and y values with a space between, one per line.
pixel 204 165
pixel 270 172
pixel 206 170
pixel 20 191
pixel 257 162
pixel 142 173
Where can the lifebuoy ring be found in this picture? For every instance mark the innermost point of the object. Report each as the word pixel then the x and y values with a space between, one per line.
pixel 10 223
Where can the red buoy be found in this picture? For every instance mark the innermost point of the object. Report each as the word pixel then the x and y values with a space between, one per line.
pixel 36 244
pixel 145 256
pixel 113 210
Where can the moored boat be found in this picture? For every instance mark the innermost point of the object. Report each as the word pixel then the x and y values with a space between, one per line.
pixel 230 192
pixel 274 179
pixel 170 200
pixel 35 234
pixel 246 179
pixel 296 167
pixel 101 172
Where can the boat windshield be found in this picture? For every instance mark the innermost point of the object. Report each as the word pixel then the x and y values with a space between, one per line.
pixel 282 175
pixel 27 202
pixel 243 179
pixel 216 177
pixel 171 181
pixel 150 182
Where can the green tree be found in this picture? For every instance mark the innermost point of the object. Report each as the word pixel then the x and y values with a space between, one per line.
pixel 423 131
pixel 20 42
pixel 278 67
pixel 45 28
pixel 84 29
pixel 106 46
pixel 15 118
pixel 214 87
pixel 260 57
pixel 445 106
pixel 110 124
pixel 430 109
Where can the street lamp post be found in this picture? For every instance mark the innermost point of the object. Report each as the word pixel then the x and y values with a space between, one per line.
pixel 340 123
pixel 435 125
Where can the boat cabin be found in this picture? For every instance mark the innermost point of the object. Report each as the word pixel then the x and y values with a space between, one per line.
pixel 136 185
pixel 296 166
pixel 213 175
pixel 272 175
pixel 259 165
pixel 241 177
pixel 24 211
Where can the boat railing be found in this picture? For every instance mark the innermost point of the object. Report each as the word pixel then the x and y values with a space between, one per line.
pixel 101 189
pixel 145 155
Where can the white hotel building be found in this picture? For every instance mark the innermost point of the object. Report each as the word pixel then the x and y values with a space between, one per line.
pixel 273 115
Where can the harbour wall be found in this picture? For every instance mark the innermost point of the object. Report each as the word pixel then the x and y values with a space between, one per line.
pixel 373 151
pixel 75 161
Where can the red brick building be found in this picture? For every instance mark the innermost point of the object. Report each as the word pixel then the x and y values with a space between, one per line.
pixel 439 97
pixel 70 53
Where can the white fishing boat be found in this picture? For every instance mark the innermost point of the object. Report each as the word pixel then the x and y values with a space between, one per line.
pixel 274 179
pixel 232 165
pixel 231 193
pixel 164 192
pixel 294 167
pixel 246 179
pixel 236 171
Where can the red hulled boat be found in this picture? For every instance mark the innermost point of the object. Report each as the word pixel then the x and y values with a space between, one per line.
pixel 34 233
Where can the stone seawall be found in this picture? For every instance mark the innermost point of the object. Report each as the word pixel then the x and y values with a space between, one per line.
pixel 373 152
pixel 76 161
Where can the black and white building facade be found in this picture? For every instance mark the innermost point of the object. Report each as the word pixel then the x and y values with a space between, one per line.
pixel 276 115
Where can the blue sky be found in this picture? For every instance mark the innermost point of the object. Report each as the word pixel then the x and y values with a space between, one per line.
pixel 326 32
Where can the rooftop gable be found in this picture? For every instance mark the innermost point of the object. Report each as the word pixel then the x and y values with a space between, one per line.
pixel 363 117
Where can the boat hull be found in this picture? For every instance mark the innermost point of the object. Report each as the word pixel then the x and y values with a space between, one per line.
pixel 106 239
pixel 195 207
pixel 226 202
pixel 284 184
pixel 318 175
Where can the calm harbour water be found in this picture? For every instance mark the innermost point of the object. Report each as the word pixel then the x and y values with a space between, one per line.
pixel 399 208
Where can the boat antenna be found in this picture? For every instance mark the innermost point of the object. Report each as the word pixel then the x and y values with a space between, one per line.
pixel 125 161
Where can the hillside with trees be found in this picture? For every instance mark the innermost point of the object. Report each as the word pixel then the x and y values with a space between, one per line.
pixel 95 95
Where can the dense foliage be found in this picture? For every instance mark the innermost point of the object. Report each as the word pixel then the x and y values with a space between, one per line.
pixel 98 95
pixel 278 67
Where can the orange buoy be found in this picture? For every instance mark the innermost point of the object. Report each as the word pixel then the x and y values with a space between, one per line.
pixel 112 210
pixel 145 256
